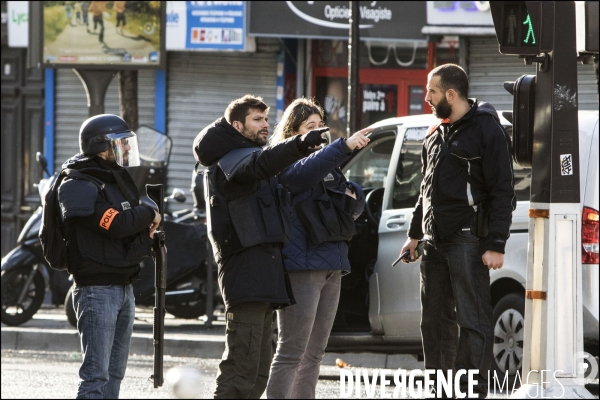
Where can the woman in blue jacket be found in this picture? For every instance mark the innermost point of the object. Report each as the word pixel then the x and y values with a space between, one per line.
pixel 324 207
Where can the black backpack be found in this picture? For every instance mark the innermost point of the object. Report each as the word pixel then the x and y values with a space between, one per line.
pixel 54 245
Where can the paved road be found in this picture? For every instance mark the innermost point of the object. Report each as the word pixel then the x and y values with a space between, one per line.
pixel 38 375
pixel 30 374
pixel 40 359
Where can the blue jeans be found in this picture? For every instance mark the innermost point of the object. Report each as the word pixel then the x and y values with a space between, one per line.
pixel 105 317
pixel 455 293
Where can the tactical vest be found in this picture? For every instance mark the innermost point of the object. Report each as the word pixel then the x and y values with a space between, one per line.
pixel 262 217
pixel 102 249
pixel 327 212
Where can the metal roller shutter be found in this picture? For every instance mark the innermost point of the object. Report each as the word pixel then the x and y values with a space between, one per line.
pixel 71 108
pixel 200 86
pixel 488 70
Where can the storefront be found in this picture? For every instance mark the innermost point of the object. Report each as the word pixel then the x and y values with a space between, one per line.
pixel 393 62
pixel 200 85
pixel 470 22
pixel 202 76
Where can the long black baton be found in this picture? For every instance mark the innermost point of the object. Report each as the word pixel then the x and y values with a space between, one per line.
pixel 156 194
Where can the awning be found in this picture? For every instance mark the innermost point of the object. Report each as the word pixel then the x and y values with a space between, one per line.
pixel 458 30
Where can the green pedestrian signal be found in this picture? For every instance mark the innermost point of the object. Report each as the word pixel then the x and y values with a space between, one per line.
pixel 530 33
pixel 517 27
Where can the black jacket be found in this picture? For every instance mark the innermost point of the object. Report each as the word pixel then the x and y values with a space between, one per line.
pixel 446 200
pixel 255 273
pixel 106 236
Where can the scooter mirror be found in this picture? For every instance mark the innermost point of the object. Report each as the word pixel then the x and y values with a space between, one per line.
pixel 39 157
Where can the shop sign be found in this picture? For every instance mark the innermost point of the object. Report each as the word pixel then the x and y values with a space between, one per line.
pixel 385 20
pixel 18 23
pixel 378 103
pixel 416 94
pixel 469 13
pixel 206 25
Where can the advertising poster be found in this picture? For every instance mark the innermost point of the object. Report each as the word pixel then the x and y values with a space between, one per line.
pixel 100 33
pixel 18 23
pixel 206 25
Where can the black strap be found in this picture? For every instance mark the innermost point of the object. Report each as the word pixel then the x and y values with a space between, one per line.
pixel 73 173
pixel 124 189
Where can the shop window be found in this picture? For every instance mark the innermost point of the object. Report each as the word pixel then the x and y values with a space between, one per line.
pixel 332 94
pixel 416 94
pixel 447 51
pixel 388 55
pixel 332 53
pixel 376 103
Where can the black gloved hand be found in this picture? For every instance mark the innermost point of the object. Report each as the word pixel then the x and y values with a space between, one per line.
pixel 311 139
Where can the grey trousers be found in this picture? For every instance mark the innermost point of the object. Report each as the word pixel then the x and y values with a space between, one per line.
pixel 304 330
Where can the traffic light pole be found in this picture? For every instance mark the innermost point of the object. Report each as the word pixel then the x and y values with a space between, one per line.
pixel 553 339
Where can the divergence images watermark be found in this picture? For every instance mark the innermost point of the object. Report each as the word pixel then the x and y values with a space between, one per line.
pixel 420 384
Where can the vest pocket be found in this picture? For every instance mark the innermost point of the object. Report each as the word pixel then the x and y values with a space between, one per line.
pixel 328 213
pixel 256 219
pixel 270 216
pixel 344 206
pixel 327 216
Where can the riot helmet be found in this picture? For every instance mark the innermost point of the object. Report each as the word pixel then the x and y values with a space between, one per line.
pixel 109 132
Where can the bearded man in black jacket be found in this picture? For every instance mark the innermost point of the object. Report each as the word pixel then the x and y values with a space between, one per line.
pixel 465 211
pixel 249 220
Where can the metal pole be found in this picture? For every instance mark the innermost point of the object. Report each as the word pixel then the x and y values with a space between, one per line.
pixel 95 83
pixel 210 290
pixel 300 67
pixel 353 57
pixel 553 334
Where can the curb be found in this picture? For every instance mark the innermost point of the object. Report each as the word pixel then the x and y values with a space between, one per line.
pixel 50 331
pixel 200 346
pixel 189 345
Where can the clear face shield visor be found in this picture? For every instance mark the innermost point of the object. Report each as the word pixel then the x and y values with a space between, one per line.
pixel 125 148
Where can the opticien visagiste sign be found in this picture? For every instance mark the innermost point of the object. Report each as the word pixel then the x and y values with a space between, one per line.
pixel 387 20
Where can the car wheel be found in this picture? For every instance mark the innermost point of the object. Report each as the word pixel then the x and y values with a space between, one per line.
pixel 16 311
pixel 70 308
pixel 509 329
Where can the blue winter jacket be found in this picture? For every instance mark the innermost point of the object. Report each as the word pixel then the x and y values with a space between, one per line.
pixel 300 178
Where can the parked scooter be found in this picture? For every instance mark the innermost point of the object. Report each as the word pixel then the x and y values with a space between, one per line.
pixel 186 241
pixel 25 272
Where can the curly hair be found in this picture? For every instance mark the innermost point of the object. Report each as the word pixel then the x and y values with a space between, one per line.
pixel 293 116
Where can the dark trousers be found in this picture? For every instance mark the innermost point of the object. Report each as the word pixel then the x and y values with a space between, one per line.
pixel 455 293
pixel 244 369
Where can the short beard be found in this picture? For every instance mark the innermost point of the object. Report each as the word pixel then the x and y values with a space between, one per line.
pixel 254 136
pixel 443 109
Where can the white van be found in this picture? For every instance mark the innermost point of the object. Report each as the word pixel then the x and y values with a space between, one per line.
pixel 380 305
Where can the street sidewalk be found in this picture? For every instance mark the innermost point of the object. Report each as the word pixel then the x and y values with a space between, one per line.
pixel 49 330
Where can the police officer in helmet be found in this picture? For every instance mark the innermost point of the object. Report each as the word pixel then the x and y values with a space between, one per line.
pixel 108 234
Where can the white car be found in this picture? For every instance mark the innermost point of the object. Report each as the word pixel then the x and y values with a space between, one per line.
pixel 380 306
